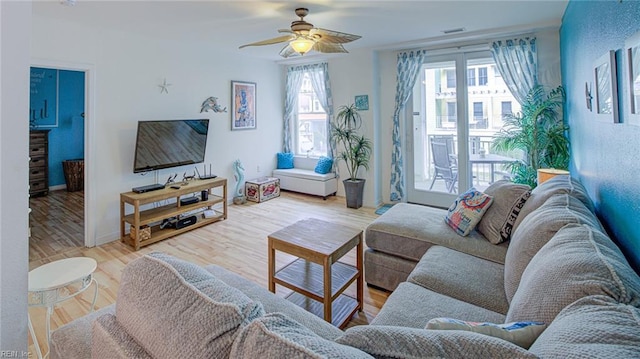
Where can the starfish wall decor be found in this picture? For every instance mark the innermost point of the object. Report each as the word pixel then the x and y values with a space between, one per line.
pixel 164 86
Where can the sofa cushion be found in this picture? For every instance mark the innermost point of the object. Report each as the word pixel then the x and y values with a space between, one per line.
pixel 577 262
pixel 74 340
pixel 508 198
pixel 176 309
pixel 467 210
pixel 285 160
pixel 111 341
pixel 592 327
pixel 556 185
pixel 462 276
pixel 277 336
pixel 411 343
pixel 408 230
pixel 272 303
pixel 522 334
pixel 537 229
pixel 324 165
pixel 411 305
pixel 303 174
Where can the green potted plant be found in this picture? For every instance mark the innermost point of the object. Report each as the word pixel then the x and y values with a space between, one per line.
pixel 539 132
pixel 352 148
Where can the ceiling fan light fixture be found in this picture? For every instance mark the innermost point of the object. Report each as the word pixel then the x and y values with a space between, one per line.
pixel 302 45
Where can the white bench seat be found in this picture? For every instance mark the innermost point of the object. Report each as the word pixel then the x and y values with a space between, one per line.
pixel 302 178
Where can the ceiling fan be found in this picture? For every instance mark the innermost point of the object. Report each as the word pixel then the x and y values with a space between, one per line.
pixel 304 37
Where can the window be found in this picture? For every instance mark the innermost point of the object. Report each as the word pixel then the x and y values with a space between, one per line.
pixel 478 113
pixel 506 108
pixel 310 136
pixel 471 77
pixel 451 78
pixel 483 79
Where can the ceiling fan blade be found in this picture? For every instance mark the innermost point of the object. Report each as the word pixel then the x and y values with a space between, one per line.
pixel 327 47
pixel 331 36
pixel 270 41
pixel 285 30
pixel 288 51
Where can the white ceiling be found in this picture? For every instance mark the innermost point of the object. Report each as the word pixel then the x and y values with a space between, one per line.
pixel 382 24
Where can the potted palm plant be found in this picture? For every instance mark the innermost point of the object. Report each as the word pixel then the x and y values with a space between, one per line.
pixel 539 132
pixel 352 148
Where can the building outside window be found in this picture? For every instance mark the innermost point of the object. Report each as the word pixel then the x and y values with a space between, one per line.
pixel 310 137
pixel 483 78
pixel 451 78
pixel 471 77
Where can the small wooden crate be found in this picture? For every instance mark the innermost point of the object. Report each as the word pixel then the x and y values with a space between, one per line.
pixel 145 233
pixel 262 189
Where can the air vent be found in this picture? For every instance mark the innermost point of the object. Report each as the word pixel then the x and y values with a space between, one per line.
pixel 452 31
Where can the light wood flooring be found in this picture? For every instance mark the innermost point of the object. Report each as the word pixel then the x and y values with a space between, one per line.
pixel 238 243
pixel 57 224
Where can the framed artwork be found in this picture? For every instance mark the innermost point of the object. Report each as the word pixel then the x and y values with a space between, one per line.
pixel 632 47
pixel 243 105
pixel 362 102
pixel 606 88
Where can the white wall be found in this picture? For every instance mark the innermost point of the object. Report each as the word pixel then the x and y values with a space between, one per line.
pixel 359 81
pixel 128 70
pixel 15 23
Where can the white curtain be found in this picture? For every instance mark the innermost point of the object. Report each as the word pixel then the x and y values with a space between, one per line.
pixel 408 66
pixel 294 82
pixel 517 62
pixel 319 75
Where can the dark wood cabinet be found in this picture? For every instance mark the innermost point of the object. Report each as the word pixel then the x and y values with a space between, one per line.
pixel 38 163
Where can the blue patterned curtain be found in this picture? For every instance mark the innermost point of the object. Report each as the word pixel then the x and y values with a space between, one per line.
pixel 409 64
pixel 319 75
pixel 517 62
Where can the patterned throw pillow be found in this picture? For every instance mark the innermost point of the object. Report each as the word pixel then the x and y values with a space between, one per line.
pixel 285 160
pixel 324 165
pixel 508 199
pixel 522 334
pixel 467 210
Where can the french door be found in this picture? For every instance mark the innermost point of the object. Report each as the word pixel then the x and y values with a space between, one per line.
pixel 457 107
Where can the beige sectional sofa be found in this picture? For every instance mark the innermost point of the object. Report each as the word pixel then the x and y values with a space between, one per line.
pixel 559 268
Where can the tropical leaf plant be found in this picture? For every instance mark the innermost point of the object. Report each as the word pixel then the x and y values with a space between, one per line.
pixel 351 147
pixel 539 132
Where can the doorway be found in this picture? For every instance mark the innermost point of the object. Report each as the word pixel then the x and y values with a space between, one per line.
pixel 80 203
pixel 458 101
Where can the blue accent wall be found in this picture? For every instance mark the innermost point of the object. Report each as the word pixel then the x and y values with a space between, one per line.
pixel 66 142
pixel 605 156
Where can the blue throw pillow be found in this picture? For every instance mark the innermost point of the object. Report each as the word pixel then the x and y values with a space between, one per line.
pixel 324 165
pixel 285 160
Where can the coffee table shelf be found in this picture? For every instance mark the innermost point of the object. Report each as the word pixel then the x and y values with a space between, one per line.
pixel 307 277
pixel 342 308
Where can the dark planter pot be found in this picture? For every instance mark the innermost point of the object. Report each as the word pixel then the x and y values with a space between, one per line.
pixel 354 191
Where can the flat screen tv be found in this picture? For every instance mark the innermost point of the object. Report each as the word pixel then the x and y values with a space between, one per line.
pixel 172 143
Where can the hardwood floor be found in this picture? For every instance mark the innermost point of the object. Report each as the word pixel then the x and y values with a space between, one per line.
pixel 57 223
pixel 238 244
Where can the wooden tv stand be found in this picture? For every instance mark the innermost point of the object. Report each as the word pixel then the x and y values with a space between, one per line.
pixel 152 217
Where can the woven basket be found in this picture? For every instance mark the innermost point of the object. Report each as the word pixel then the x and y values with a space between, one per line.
pixel 145 233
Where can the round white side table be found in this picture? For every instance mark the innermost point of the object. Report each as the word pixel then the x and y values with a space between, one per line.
pixel 56 282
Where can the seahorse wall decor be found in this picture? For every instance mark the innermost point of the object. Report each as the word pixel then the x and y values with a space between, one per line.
pixel 238 194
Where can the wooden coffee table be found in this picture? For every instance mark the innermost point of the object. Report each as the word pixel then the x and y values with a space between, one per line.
pixel 317 279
